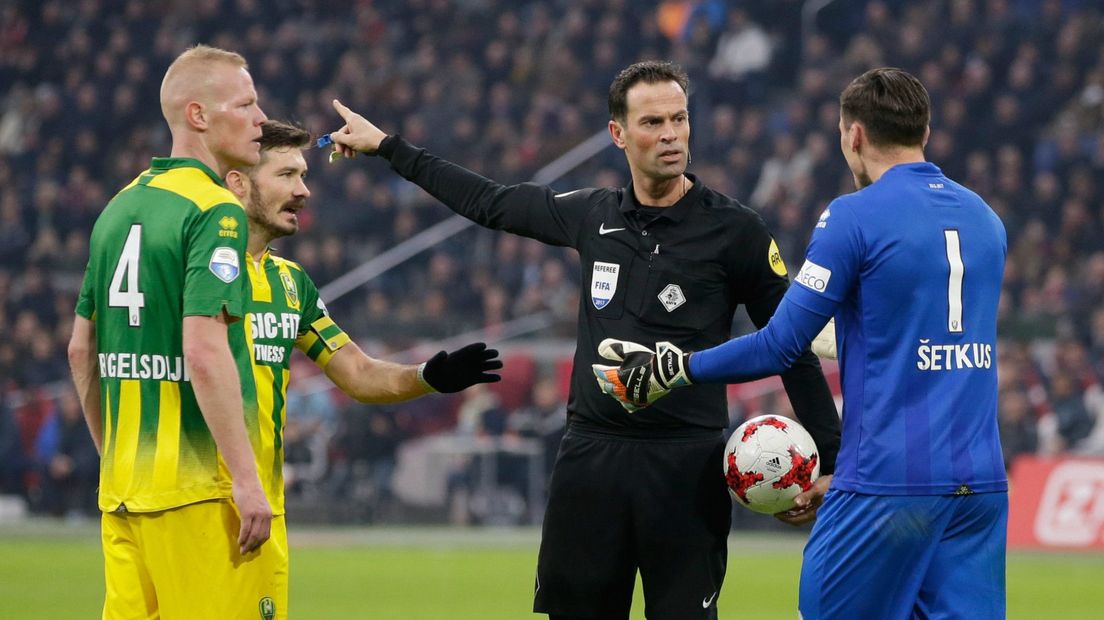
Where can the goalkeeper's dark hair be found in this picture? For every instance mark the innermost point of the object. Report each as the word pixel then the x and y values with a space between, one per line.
pixel 649 72
pixel 891 104
pixel 283 134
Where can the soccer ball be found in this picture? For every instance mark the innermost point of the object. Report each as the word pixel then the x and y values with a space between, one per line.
pixel 768 461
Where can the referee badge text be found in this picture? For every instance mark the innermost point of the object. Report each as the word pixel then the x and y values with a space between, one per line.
pixel 774 257
pixel 224 264
pixel 603 283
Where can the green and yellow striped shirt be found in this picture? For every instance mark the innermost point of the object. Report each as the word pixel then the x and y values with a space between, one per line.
pixel 282 312
pixel 169 245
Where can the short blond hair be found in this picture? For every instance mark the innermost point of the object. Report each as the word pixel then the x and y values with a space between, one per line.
pixel 204 54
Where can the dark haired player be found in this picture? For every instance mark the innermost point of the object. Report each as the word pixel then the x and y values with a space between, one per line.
pixel 910 266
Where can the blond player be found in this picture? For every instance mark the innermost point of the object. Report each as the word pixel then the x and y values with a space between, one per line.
pixel 183 507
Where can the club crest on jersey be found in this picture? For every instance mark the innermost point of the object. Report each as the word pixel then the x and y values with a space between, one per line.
pixel 267 607
pixel 603 283
pixel 224 264
pixel 290 291
pixel 671 297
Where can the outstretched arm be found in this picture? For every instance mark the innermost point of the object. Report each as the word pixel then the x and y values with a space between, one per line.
pixel 370 380
pixel 527 209
pixel 769 351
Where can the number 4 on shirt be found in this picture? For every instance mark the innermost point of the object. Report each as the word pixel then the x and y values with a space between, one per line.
pixel 132 299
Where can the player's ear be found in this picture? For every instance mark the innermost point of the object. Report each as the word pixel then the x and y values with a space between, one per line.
pixel 927 134
pixel 195 115
pixel 236 181
pixel 617 133
pixel 856 135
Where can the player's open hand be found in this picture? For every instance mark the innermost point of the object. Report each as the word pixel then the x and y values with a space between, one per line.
pixel 255 514
pixel 357 135
pixel 644 375
pixel 461 369
pixel 807 503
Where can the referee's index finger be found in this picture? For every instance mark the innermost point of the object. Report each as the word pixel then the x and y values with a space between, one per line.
pixel 342 110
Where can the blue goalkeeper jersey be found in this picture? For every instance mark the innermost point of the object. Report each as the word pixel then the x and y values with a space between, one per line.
pixel 911 269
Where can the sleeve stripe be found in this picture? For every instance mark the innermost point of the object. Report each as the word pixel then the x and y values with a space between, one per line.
pixel 329 333
pixel 323 358
pixel 315 348
pixel 322 323
pixel 322 340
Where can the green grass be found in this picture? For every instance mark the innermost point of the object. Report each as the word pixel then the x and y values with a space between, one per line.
pixel 54 571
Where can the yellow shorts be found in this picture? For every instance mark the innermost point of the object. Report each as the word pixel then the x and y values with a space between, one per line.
pixel 184 564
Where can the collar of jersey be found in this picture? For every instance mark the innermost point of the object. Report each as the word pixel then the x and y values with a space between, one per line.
pixel 919 167
pixel 164 164
pixel 676 212
pixel 259 259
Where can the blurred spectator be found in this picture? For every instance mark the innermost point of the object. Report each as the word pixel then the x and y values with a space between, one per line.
pixel 13 464
pixel 362 456
pixel 68 465
pixel 741 60
pixel 1017 425
pixel 543 420
pixel 1074 423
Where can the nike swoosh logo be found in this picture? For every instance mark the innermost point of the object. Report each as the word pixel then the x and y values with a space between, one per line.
pixel 709 601
pixel 566 194
pixel 602 230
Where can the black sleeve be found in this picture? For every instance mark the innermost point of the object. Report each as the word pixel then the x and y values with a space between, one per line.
pixel 805 385
pixel 527 209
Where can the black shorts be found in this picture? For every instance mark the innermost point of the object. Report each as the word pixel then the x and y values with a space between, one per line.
pixel 617 504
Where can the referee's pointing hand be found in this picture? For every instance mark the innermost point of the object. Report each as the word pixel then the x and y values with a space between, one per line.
pixel 357 135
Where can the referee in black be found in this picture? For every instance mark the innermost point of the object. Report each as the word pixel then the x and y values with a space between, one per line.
pixel 663 259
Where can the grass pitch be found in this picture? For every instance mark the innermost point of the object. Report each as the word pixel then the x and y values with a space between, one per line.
pixel 50 570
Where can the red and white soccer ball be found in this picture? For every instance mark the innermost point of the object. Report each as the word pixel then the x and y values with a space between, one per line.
pixel 768 461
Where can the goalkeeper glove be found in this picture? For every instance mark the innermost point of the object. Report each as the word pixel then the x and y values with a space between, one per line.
pixel 644 375
pixel 461 369
pixel 824 345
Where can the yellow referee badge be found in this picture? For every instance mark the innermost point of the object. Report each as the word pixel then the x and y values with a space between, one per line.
pixel 777 265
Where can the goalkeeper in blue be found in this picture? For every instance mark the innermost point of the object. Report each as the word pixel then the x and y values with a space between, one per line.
pixel 910 267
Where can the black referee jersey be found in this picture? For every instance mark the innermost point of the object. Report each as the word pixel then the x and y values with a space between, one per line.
pixel 674 274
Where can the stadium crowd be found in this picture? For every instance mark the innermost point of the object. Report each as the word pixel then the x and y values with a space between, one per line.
pixel 504 88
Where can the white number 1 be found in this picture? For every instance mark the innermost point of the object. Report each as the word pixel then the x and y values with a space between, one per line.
pixel 132 299
pixel 954 281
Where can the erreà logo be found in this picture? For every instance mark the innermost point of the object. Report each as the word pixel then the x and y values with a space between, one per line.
pixel 229 227
pixel 267 608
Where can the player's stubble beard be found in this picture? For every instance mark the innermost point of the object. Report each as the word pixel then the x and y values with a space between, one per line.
pixel 862 179
pixel 859 173
pixel 267 220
